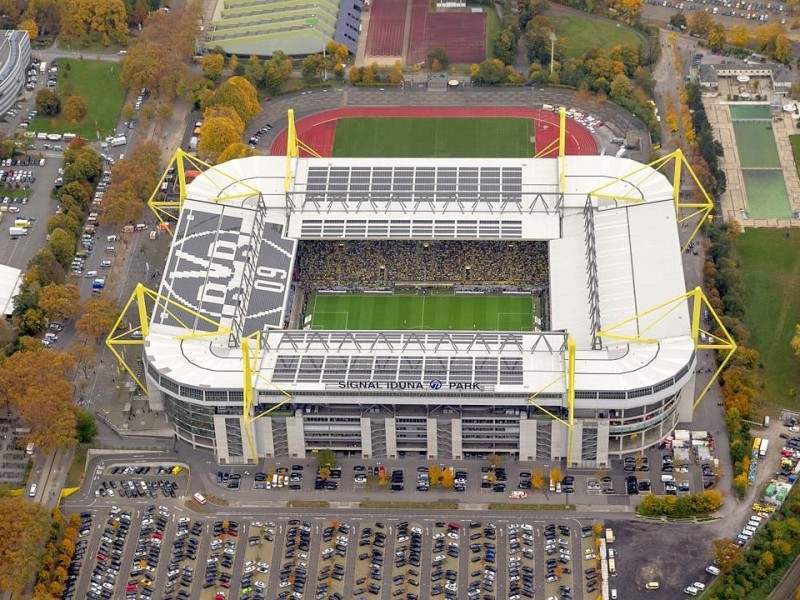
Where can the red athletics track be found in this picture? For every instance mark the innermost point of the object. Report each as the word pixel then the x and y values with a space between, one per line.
pixel 318 130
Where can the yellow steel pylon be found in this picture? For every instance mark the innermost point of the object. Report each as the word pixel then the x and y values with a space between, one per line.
pixel 140 297
pixel 250 371
pixel 293 147
pixel 702 338
pixel 167 211
pixel 702 208
pixel 570 378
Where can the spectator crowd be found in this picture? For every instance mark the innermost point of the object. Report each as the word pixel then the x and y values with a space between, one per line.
pixel 382 263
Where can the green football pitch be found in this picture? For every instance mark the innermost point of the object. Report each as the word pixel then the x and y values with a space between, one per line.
pixel 482 313
pixel 434 137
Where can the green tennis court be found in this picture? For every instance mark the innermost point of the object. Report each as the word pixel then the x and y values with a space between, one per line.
pixel 750 111
pixel 444 137
pixel 767 197
pixel 756 144
pixel 438 312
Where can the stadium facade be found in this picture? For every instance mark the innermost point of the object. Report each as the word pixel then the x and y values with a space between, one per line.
pixel 434 394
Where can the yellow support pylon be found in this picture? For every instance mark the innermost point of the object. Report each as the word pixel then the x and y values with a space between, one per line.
pixel 141 295
pixel 569 375
pixel 250 371
pixel 293 147
pixel 724 341
pixel 167 211
pixel 701 208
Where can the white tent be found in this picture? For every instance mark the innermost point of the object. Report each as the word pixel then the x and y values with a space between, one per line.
pixel 10 280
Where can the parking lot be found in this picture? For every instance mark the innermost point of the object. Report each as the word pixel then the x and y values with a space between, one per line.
pixel 150 545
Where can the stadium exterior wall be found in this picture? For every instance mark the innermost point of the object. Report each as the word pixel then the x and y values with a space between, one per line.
pixel 394 426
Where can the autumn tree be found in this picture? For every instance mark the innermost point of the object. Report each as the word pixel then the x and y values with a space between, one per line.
pixel 716 36
pixel 81 163
pixel 447 478
pixel 212 65
pixel 59 302
pixel 45 269
pixel 326 458
pixel 104 21
pixel 74 108
pixel 98 315
pixel 218 133
pixel 435 475
pixel 254 70
pixel 23 534
pixel 313 67
pixel 236 150
pixel 700 23
pixel 31 27
pixel 236 93
pixel 738 35
pixel 47 103
pixel 396 74
pixel 537 479
pixel 727 553
pixel 276 71
pixel 37 385
pixel 62 244
pixel 132 181
pixel 84 356
pixel 439 55
pixel 556 475
pixel 796 341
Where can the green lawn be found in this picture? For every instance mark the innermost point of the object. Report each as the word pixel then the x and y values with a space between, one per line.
pixel 795 141
pixel 582 33
pixel 98 83
pixel 483 313
pixel 492 28
pixel 434 137
pixel 771 275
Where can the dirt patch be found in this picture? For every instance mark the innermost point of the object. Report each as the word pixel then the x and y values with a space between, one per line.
pixel 674 555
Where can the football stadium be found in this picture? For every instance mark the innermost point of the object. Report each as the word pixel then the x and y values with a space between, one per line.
pixel 443 308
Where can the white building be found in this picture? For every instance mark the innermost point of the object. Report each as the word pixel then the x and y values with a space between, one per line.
pixel 15 56
pixel 434 394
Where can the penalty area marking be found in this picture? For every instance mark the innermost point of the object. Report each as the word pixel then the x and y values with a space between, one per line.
pixel 314 318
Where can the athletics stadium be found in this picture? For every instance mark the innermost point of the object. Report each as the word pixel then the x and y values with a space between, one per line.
pixel 437 307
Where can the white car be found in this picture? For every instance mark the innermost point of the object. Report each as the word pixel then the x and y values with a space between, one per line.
pixel 691 590
pixel 32 493
pixel 699 585
pixel 712 570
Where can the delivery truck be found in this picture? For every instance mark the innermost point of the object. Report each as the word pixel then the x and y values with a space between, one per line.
pixel 17 231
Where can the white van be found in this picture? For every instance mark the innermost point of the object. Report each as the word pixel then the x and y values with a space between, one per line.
pixel 106 264
pixel 199 498
pixel 652 585
pixel 667 478
pixel 111 238
pixel 712 570
pixel 90 274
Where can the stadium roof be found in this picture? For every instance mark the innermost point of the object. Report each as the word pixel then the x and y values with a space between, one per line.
pixel 609 260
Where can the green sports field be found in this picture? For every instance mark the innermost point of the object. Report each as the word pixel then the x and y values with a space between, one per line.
pixel 441 137
pixel 770 260
pixel 438 312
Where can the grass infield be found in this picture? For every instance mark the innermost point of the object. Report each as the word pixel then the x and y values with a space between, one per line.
pixel 771 276
pixel 794 140
pixel 441 137
pixel 583 33
pixel 97 82
pixel 459 313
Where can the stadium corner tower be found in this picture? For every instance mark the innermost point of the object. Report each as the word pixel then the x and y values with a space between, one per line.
pixel 246 374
